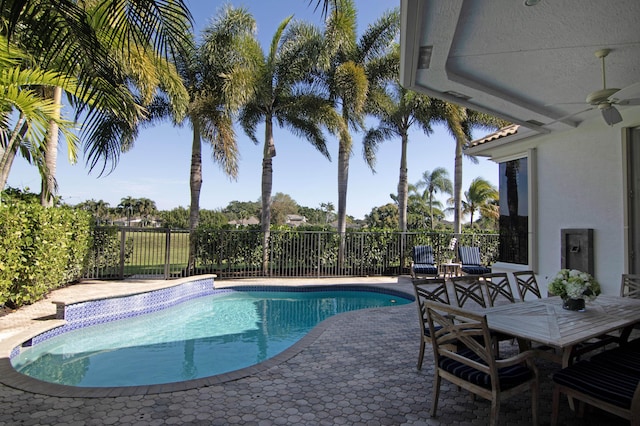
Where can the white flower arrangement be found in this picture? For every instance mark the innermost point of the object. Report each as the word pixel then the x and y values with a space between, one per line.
pixel 574 284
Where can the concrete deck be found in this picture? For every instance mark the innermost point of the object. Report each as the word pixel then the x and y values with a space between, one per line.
pixel 357 368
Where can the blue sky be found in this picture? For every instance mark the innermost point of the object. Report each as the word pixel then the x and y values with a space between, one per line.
pixel 157 167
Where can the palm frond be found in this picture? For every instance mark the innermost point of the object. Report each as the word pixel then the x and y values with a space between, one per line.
pixel 378 38
pixel 371 142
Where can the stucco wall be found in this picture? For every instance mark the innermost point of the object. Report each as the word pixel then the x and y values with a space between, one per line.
pixel 580 185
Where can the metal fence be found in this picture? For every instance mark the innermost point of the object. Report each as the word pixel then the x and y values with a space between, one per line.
pixel 123 252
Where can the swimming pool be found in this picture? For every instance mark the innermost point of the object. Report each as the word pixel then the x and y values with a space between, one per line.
pixel 202 337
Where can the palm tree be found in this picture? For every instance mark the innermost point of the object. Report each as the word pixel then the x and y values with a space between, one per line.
pixel 480 197
pixel 99 209
pixel 128 206
pixel 281 93
pixel 354 64
pixel 110 46
pixel 215 74
pixel 328 209
pixel 146 208
pixel 33 114
pixel 398 109
pixel 436 181
pixel 460 121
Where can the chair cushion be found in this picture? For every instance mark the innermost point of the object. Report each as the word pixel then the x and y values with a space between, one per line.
pixel 604 382
pixel 469 255
pixel 425 269
pixel 427 331
pixel 509 376
pixel 423 255
pixel 475 269
pixel 624 357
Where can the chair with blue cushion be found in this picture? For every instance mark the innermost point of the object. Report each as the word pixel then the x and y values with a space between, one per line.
pixel 423 263
pixel 475 367
pixel 602 384
pixel 433 289
pixel 471 262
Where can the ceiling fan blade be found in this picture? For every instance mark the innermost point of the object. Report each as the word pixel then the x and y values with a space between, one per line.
pixel 566 117
pixel 611 115
pixel 566 103
pixel 634 101
pixel 629 92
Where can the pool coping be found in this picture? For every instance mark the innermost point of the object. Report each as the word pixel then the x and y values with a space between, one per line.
pixel 11 378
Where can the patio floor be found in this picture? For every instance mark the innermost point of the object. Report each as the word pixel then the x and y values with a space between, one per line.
pixel 358 369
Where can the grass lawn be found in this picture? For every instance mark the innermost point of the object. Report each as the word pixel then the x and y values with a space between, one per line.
pixel 150 252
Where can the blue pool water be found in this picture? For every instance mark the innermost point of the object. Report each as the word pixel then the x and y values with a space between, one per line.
pixel 199 338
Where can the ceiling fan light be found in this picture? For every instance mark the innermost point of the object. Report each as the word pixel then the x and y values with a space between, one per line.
pixel 611 115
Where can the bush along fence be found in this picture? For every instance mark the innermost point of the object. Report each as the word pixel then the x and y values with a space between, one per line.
pixel 42 249
pixel 122 252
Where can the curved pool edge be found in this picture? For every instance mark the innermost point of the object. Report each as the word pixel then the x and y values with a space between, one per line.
pixel 12 378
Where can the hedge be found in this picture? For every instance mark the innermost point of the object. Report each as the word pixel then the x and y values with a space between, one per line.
pixel 42 249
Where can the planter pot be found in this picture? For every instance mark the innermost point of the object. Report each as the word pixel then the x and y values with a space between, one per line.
pixel 573 304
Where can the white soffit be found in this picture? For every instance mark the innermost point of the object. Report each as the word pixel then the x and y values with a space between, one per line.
pixel 521 63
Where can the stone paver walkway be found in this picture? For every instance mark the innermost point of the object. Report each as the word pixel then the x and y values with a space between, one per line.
pixel 359 369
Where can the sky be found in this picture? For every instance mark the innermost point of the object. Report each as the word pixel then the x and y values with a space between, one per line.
pixel 157 167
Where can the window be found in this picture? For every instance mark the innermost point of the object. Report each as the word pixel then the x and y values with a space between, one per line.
pixel 514 212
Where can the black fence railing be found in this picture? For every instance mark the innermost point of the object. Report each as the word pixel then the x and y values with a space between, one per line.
pixel 123 252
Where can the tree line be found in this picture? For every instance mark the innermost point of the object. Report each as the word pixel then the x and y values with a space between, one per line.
pixel 124 65
pixel 424 211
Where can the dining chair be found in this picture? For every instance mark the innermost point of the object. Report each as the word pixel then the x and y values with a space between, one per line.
pixel 475 367
pixel 526 283
pixel 467 289
pixel 630 286
pixel 498 288
pixel 609 387
pixel 432 289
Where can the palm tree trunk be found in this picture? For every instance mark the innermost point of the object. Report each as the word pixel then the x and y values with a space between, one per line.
pixel 9 153
pixel 344 152
pixel 403 186
pixel 48 188
pixel 195 184
pixel 267 185
pixel 457 188
pixel 431 208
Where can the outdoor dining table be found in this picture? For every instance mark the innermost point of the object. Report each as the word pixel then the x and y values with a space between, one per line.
pixel 545 321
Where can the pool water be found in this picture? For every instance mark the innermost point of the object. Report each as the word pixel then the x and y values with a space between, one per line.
pixel 198 338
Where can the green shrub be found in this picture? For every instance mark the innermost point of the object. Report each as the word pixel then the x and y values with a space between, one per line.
pixel 103 259
pixel 43 249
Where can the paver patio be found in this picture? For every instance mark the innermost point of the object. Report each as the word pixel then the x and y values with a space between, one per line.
pixel 359 369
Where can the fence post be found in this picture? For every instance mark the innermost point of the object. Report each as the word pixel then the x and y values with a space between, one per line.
pixel 123 239
pixel 318 254
pixel 167 254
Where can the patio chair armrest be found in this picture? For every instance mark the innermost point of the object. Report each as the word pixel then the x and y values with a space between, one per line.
pixel 526 356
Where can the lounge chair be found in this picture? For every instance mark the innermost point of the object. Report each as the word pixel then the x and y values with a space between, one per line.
pixel 470 259
pixel 423 264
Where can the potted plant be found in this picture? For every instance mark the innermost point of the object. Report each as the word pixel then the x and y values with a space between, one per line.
pixel 574 287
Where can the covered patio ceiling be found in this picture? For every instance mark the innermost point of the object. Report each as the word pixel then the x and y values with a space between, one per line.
pixel 533 65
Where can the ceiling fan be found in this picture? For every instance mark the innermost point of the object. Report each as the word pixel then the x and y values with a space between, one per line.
pixel 606 99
